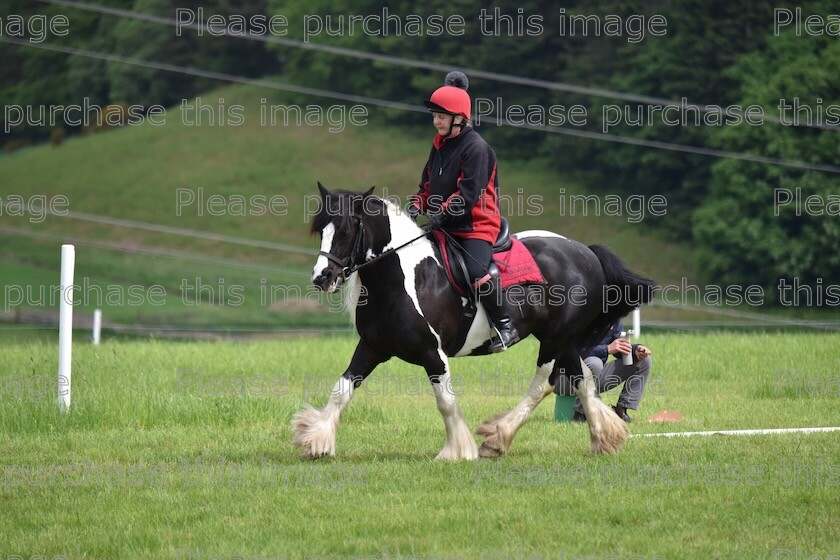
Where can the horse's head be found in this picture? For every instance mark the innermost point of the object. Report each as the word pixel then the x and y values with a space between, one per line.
pixel 343 243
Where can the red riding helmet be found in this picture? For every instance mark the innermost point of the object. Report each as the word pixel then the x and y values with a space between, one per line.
pixel 451 98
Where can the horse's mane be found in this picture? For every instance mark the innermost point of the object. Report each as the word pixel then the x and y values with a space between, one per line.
pixel 342 209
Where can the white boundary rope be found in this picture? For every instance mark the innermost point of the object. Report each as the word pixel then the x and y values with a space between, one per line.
pixel 744 432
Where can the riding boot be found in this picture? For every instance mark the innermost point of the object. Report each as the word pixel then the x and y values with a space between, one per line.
pixel 489 296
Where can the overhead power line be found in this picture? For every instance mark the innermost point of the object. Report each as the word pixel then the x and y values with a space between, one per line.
pixel 215 75
pixel 177 255
pixel 414 63
pixel 416 108
pixel 172 230
pixel 205 235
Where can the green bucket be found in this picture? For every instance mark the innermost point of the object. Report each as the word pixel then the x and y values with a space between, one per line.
pixel 564 408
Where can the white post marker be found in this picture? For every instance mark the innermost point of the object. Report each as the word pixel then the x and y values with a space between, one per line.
pixel 97 325
pixel 65 325
pixel 637 322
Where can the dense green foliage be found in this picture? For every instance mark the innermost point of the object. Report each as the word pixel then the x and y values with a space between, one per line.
pixel 761 223
pixel 35 77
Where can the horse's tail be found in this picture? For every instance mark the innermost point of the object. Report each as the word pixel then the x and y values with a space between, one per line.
pixel 624 290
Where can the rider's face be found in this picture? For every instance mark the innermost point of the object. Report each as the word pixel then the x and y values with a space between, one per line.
pixel 442 123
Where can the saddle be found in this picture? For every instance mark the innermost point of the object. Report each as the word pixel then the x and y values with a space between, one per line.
pixel 512 263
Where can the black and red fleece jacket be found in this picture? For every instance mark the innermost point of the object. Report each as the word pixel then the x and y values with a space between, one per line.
pixel 460 180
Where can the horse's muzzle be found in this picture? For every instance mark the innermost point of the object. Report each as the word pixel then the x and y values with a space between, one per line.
pixel 329 280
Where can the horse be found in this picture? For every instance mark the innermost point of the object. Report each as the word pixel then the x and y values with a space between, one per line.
pixel 403 305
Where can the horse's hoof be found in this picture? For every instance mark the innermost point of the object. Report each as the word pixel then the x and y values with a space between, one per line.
pixel 450 457
pixel 488 428
pixel 314 456
pixel 488 452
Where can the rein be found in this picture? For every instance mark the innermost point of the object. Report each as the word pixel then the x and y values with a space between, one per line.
pixel 347 265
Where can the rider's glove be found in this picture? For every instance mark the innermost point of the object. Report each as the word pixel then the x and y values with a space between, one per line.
pixel 435 221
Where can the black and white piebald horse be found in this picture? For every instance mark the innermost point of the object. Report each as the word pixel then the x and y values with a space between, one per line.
pixel 408 309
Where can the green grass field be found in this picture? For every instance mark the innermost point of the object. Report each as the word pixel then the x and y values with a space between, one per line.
pixel 182 450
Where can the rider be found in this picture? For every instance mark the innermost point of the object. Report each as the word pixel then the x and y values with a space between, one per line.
pixel 459 194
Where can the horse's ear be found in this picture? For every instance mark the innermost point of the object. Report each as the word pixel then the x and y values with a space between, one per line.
pixel 368 192
pixel 323 190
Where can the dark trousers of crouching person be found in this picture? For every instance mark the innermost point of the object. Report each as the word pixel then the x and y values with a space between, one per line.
pixel 613 373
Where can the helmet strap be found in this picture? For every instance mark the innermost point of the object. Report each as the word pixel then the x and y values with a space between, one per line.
pixel 454 124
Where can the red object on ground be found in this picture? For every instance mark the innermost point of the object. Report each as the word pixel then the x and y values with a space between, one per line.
pixel 666 416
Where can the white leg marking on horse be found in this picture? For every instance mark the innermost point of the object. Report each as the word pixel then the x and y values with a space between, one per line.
pixel 500 430
pixel 327 235
pixel 460 444
pixel 607 432
pixel 313 430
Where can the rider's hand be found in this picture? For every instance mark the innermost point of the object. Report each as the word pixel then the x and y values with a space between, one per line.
pixel 413 212
pixel 435 221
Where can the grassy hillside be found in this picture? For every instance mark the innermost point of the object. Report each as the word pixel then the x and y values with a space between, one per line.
pixel 135 173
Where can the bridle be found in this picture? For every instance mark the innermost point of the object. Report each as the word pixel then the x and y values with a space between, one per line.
pixel 347 264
